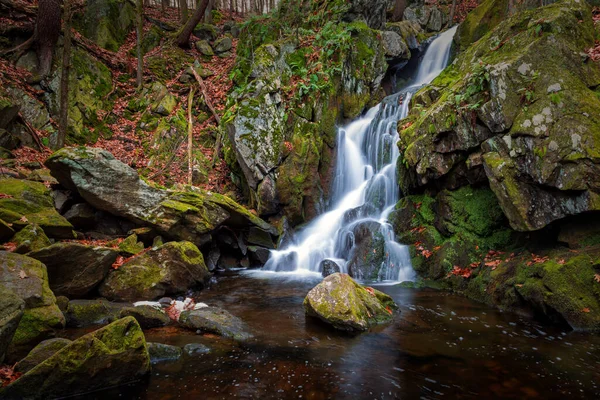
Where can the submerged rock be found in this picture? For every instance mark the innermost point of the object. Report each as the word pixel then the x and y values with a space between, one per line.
pixel 163 352
pixel 347 306
pixel 217 321
pixel 194 349
pixel 74 270
pixel 114 355
pixel 172 268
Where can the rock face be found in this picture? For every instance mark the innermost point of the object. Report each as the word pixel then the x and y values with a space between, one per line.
pixel 369 252
pixel 31 202
pixel 372 12
pixel 74 270
pixel 107 22
pixel 172 268
pixel 11 311
pixel 217 321
pixel 114 355
pixel 394 45
pixel 536 128
pixel 284 159
pixel 28 279
pixel 430 17
pixel 347 306
pixel 111 186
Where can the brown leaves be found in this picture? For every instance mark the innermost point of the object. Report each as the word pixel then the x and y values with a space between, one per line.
pixel 10 246
pixel 23 274
pixel 597 278
pixel 586 310
pixel 537 260
pixel 458 271
pixel 8 375
pixel 122 260
pixel 370 290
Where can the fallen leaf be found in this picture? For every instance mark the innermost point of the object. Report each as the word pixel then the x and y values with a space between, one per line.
pixel 23 219
pixel 23 274
pixel 597 278
pixel 586 310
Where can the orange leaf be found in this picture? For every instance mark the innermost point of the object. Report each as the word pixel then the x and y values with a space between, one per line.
pixel 586 310
pixel 597 278
pixel 23 274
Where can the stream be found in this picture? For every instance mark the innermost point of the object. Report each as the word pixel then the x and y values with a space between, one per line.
pixel 439 346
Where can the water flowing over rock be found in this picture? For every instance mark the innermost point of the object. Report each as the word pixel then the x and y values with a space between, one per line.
pixel 347 306
pixel 114 355
pixel 365 191
pixel 531 124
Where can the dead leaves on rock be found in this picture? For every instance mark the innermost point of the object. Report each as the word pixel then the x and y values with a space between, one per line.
pixel 8 375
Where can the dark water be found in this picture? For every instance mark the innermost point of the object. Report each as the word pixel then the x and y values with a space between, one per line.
pixel 440 346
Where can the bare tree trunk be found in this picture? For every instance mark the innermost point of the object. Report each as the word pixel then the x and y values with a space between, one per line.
pixel 64 79
pixel 184 11
pixel 164 4
pixel 208 13
pixel 190 135
pixel 452 12
pixel 47 33
pixel 183 39
pixel 139 29
pixel 399 7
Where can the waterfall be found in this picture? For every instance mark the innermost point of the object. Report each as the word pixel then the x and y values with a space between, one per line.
pixel 365 192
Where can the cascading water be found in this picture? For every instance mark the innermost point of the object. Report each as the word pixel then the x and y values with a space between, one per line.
pixel 365 192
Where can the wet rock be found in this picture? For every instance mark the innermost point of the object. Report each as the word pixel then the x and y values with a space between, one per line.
pixel 81 216
pixel 394 45
pixel 111 356
pixel 30 238
pixel 30 202
pixel 328 267
pixel 74 269
pixel 213 258
pixel 194 349
pixel 163 352
pixel 85 313
pixel 258 255
pixel 346 305
pixel 41 353
pixel 62 302
pixel 223 45
pixel 368 253
pixel 147 316
pixel 170 269
pixel 11 311
pixel 260 237
pixel 217 321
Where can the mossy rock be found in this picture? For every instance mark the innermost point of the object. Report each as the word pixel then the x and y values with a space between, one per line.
pixel 147 316
pixel 107 22
pixel 37 324
pixel 40 353
pixel 344 304
pixel 86 313
pixel 170 269
pixel 130 246
pixel 163 352
pixel 114 355
pixel 6 231
pixel 11 311
pixel 217 321
pixel 30 202
pixel 30 238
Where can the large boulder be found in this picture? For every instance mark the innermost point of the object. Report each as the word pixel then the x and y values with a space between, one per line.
pixel 107 22
pixel 368 250
pixel 114 355
pixel 172 268
pixel 11 311
pixel 347 306
pixel 86 313
pixel 112 186
pixel 74 270
pixel 28 279
pixel 41 353
pixel 217 321
pixel 523 117
pixel 30 238
pixel 24 202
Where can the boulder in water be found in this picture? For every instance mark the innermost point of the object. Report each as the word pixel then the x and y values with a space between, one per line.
pixel 368 253
pixel 328 267
pixel 172 268
pixel 114 355
pixel 86 313
pixel 217 321
pixel 348 306
pixel 163 352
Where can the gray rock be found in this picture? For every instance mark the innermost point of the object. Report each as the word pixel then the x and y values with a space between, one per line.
pixel 223 45
pixel 205 48
pixel 194 349
pixel 74 270
pixel 147 316
pixel 206 32
pixel 30 238
pixel 81 215
pixel 258 255
pixel 394 45
pixel 435 20
pixel 328 267
pixel 217 321
pixel 163 352
pixel 41 353
pixel 86 313
pixel 369 251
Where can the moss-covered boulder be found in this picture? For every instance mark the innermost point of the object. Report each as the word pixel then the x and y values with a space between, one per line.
pixel 41 353
pixel 170 269
pixel 86 313
pixel 348 306
pixel 30 238
pixel 217 321
pixel 147 316
pixel 114 355
pixel 163 352
pixel 372 12
pixel 107 22
pixel 74 270
pixel 26 202
pixel 109 185
pixel 131 246
pixel 28 279
pixel 11 311
pixel 518 109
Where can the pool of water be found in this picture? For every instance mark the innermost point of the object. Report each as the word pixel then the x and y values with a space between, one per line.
pixel 439 346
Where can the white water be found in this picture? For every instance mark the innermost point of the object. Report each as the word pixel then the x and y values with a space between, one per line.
pixel 365 188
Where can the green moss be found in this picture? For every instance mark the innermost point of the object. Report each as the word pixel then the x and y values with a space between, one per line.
pixel 38 324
